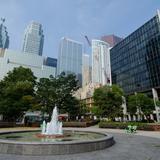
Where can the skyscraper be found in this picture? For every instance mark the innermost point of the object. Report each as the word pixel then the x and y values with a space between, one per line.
pixel 4 38
pixel 101 71
pixel 70 58
pixel 33 39
pixel 86 74
pixel 111 39
pixel 135 61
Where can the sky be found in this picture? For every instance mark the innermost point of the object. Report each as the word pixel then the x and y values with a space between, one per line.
pixel 74 19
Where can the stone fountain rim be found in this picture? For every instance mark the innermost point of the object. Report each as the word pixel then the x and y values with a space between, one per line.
pixel 106 136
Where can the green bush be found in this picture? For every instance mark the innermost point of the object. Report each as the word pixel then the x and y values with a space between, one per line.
pixel 74 124
pixel 123 125
pixel 79 124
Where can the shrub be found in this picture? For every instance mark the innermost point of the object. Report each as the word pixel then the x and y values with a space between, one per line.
pixel 79 124
pixel 123 125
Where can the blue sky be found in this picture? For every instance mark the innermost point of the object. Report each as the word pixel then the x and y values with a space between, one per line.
pixel 74 19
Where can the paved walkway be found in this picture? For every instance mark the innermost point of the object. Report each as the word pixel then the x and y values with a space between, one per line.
pixel 127 147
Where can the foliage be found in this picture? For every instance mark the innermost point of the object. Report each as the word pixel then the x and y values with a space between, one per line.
pixel 132 106
pixel 71 106
pixel 45 95
pixel 16 94
pixel 123 125
pixel 140 102
pixel 80 124
pixel 108 101
pixel 83 109
pixel 58 91
pixel 158 103
pixel 96 111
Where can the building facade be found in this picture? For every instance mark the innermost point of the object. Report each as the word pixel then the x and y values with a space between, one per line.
pixel 101 71
pixel 86 70
pixel 33 39
pixel 135 61
pixel 70 58
pixel 4 38
pixel 111 39
pixel 50 62
pixel 10 59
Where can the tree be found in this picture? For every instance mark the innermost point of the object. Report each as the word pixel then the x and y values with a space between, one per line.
pixel 83 109
pixel 140 102
pixel 96 111
pixel 157 103
pixel 58 91
pixel 72 107
pixel 108 100
pixel 132 104
pixel 16 94
pixel 66 85
pixel 45 95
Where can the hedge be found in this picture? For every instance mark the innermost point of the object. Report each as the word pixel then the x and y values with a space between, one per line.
pixel 7 124
pixel 79 124
pixel 123 125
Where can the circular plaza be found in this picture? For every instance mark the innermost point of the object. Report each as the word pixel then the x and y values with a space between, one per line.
pixel 143 145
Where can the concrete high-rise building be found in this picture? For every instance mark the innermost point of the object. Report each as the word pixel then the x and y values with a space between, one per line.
pixel 10 59
pixel 111 39
pixel 101 71
pixel 33 39
pixel 86 70
pixel 70 58
pixel 4 38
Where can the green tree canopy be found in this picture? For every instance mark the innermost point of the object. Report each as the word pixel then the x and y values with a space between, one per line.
pixel 141 102
pixel 108 101
pixel 132 104
pixel 58 91
pixel 16 94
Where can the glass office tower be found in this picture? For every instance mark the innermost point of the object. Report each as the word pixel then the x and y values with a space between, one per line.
pixel 135 61
pixel 70 58
pixel 50 62
pixel 33 39
pixel 4 38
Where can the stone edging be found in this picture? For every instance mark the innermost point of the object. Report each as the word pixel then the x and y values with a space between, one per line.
pixel 48 148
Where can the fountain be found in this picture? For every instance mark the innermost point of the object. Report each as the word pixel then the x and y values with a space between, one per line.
pixel 53 128
pixel 52 140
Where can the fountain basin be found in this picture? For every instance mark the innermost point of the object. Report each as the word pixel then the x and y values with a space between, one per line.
pixel 39 135
pixel 54 147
